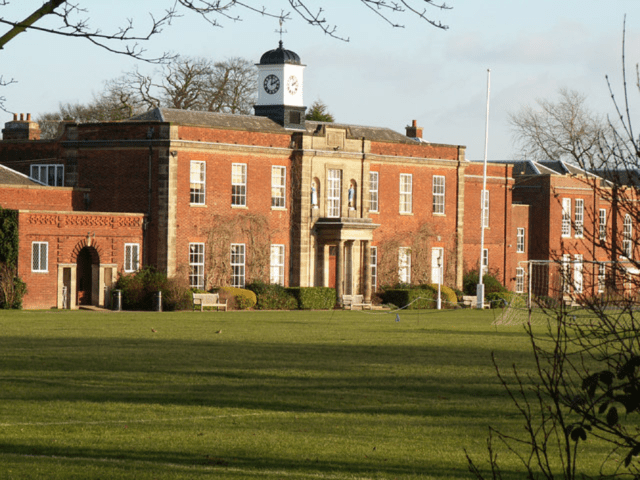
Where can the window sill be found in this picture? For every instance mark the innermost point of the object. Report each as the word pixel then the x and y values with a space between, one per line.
pixel 282 209
pixel 406 213
pixel 241 207
pixel 439 214
pixel 198 205
pixel 377 212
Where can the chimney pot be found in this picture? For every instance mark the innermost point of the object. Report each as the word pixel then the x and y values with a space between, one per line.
pixel 414 123
pixel 22 117
pixel 28 117
pixel 15 117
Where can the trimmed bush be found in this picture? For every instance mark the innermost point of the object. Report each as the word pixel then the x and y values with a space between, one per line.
pixel 491 283
pixel 448 294
pixel 139 289
pixel 273 297
pixel 415 298
pixel 314 298
pixel 238 298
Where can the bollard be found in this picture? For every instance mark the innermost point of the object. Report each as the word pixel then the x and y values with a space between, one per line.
pixel 157 302
pixel 117 300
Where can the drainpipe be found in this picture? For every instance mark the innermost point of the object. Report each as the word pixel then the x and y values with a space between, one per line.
pixel 147 221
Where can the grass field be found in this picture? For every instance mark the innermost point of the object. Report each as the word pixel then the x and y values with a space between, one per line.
pixel 275 395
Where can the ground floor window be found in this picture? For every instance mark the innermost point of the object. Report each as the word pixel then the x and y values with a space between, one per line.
pixel 404 265
pixel 40 257
pixel 602 277
pixel 519 280
pixel 374 269
pixel 196 265
pixel 237 264
pixel 131 257
pixel 277 265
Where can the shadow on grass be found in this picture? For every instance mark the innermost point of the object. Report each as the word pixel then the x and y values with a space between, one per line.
pixel 407 380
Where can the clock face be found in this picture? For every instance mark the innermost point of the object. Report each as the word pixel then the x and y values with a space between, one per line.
pixel 271 84
pixel 292 84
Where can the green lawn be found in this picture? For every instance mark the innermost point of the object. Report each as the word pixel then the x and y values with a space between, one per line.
pixel 275 395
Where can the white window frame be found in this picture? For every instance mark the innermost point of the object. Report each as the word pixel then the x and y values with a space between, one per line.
pixel 627 236
pixel 41 173
pixel 566 273
pixel 40 257
pixel 278 186
pixel 238 261
pixel 602 277
pixel 579 217
pixel 602 225
pixel 374 269
pixel 406 193
pixel 276 274
pixel 485 210
pixel 373 191
pixel 438 191
pixel 404 265
pixel 519 280
pixel 520 245
pixel 131 257
pixel 197 182
pixel 334 192
pixel 196 265
pixel 485 261
pixel 566 217
pixel 578 277
pixel 238 184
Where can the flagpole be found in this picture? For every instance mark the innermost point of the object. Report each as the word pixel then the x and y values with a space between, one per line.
pixel 480 286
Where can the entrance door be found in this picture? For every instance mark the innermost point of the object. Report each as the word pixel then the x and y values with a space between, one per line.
pixel 332 266
pixel 84 280
pixel 66 287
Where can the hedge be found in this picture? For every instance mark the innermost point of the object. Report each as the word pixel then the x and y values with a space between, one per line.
pixel 239 298
pixel 314 298
pixel 272 297
pixel 403 297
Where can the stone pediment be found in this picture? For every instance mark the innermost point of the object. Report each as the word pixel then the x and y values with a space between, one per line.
pixel 345 228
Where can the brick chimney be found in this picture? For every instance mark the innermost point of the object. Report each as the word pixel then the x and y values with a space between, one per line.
pixel 21 129
pixel 414 131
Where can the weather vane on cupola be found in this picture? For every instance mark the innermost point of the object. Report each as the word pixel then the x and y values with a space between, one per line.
pixel 281 31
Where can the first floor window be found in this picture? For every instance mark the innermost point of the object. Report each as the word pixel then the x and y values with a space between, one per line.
pixel 438 194
pixel 131 257
pixel 602 277
pixel 197 183
pixel 520 241
pixel 519 280
pixel 566 217
pixel 277 265
pixel 40 257
pixel 52 175
pixel 374 269
pixel 237 264
pixel 334 186
pixel 373 191
pixel 579 217
pixel 239 184
pixel 485 209
pixel 406 193
pixel 196 265
pixel 404 265
pixel 602 226
pixel 278 184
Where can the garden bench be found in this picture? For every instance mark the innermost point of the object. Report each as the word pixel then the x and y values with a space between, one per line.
pixel 208 300
pixel 355 301
pixel 471 301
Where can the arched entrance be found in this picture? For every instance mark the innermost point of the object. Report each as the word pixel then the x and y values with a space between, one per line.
pixel 88 264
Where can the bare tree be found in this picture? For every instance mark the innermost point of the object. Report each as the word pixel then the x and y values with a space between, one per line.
pixel 73 19
pixel 560 130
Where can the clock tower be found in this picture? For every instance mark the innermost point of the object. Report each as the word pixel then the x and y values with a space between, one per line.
pixel 280 88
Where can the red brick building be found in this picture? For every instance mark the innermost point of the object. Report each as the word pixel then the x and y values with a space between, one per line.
pixel 230 199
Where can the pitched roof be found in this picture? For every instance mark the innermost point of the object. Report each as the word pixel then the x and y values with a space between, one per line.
pixel 255 123
pixel 11 177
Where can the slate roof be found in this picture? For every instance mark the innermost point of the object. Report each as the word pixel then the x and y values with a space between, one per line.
pixel 11 177
pixel 255 123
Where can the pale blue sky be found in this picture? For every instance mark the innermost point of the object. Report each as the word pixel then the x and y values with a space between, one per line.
pixel 384 76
